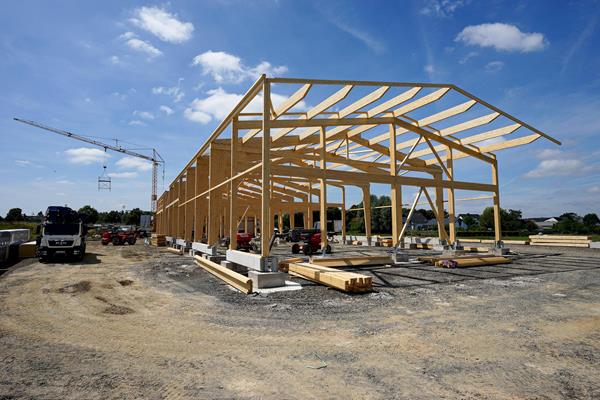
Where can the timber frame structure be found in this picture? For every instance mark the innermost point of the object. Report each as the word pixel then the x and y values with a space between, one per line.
pixel 273 154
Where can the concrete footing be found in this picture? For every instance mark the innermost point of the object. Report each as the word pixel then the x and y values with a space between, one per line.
pixel 261 280
pixel 453 252
pixel 500 251
pixel 240 269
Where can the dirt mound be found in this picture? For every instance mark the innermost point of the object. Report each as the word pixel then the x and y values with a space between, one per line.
pixel 125 282
pixel 79 287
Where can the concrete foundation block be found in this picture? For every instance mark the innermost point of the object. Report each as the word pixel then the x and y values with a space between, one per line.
pixel 500 251
pixel 215 259
pixel 400 257
pixel 440 247
pixel 261 280
pixel 453 253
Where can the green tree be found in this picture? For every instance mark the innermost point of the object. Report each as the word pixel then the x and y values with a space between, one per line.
pixel 133 217
pixel 15 214
pixel 591 220
pixel 113 217
pixel 569 223
pixel 89 214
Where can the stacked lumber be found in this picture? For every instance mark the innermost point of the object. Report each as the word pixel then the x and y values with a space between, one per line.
pixel 284 265
pixel 340 262
pixel 557 240
pixel 238 281
pixel 356 243
pixel 384 242
pixel 342 280
pixel 158 240
pixel 523 242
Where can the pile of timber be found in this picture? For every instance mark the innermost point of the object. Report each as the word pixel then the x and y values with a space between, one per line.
pixel 384 242
pixel 556 240
pixel 342 280
pixel 464 261
pixel 238 281
pixel 158 240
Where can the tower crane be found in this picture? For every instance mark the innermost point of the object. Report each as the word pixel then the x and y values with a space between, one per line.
pixel 155 159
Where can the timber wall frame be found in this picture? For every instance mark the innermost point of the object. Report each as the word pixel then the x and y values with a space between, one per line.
pixel 260 164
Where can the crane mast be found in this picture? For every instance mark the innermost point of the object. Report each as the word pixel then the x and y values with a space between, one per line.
pixel 155 159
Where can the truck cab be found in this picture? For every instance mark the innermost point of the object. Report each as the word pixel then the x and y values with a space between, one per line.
pixel 62 233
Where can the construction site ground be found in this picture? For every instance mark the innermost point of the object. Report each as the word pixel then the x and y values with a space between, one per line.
pixel 132 322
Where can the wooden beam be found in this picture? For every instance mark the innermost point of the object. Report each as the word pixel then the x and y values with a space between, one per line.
pixel 265 224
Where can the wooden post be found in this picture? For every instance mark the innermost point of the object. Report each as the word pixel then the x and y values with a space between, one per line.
pixel 233 223
pixel 497 225
pixel 214 222
pixel 190 185
pixel 451 205
pixel 266 218
pixel 343 215
pixel 367 211
pixel 439 200
pixel 200 204
pixel 309 212
pixel 396 190
pixel 280 221
pixel 245 224
pixel 323 193
pixel 255 225
pixel 292 215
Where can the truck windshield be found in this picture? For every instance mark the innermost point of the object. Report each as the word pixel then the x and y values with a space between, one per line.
pixel 61 229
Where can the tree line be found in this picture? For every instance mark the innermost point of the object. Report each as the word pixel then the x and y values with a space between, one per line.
pixel 88 213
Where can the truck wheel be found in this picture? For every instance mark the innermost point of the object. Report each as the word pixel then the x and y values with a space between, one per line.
pixel 104 243
pixel 116 241
pixel 295 248
pixel 307 250
pixel 131 241
pixel 328 249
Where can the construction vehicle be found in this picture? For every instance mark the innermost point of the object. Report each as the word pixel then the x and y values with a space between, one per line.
pixel 118 237
pixel 62 233
pixel 311 245
pixel 243 241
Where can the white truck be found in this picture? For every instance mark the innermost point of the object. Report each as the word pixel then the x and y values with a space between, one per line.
pixel 62 233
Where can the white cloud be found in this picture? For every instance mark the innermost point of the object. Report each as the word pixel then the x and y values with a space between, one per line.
pixel 175 92
pixel 127 35
pixel 124 175
pixel 225 67
pixel 593 189
pixel 136 122
pixel 502 37
pixel 143 47
pixel 64 182
pixel 555 163
pixel 162 24
pixel 134 163
pixel 114 60
pixel 86 155
pixel 430 69
pixel 143 114
pixel 494 66
pixel 167 110
pixel 219 103
pixel 466 58
pixel 442 8
pixel 23 162
pixel 371 42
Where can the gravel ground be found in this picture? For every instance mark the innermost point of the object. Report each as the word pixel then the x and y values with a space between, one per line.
pixel 135 322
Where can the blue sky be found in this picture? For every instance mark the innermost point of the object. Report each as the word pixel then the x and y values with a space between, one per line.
pixel 163 74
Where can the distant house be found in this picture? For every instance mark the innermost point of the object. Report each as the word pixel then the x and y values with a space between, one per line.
pixel 544 223
pixel 432 223
pixel 417 221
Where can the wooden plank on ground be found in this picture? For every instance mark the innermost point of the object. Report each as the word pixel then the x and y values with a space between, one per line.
pixel 238 281
pixel 351 261
pixel 174 250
